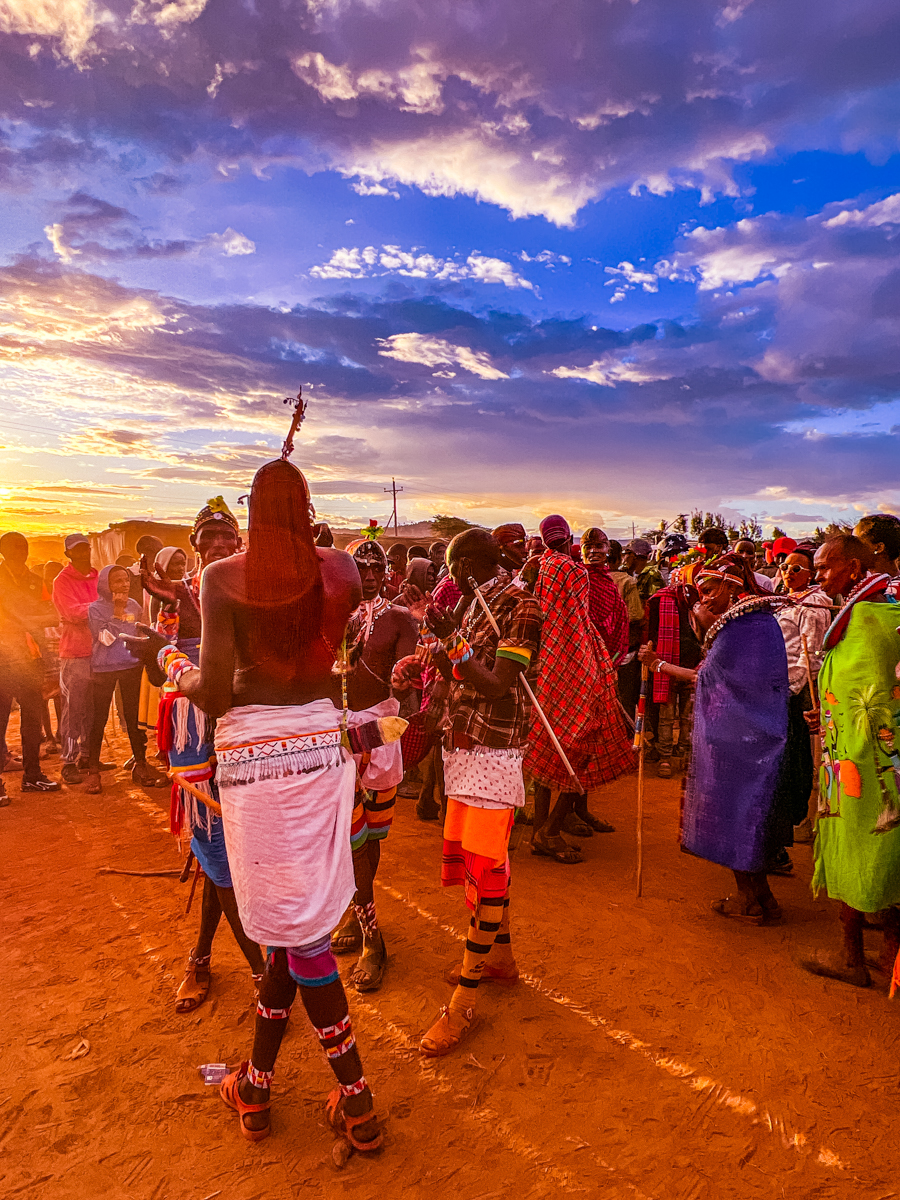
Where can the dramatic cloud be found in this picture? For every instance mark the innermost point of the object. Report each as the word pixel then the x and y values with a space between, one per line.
pixel 371 262
pixel 486 411
pixel 88 220
pixel 821 294
pixel 533 109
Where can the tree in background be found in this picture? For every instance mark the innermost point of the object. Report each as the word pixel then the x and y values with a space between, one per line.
pixel 680 524
pixel 777 533
pixel 445 526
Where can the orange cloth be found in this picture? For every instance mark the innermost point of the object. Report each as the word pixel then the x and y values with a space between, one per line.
pixel 895 978
pixel 481 831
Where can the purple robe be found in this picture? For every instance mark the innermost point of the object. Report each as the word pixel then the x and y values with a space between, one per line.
pixel 739 737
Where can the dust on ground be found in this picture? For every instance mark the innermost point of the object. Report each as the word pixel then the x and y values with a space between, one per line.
pixel 652 1049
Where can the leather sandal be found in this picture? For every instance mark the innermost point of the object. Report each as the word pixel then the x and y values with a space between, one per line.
pixel 597 825
pixel 441 1039
pixel 193 991
pixel 228 1090
pixel 93 786
pixel 556 848
pixel 347 938
pixel 343 1124
pixel 365 977
pixel 488 975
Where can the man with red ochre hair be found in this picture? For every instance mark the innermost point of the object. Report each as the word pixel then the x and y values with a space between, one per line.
pixel 271 664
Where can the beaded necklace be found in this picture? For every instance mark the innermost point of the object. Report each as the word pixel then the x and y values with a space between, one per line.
pixel 751 604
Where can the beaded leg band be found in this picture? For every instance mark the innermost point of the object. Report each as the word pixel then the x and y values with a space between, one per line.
pixel 259 1079
pixel 354 1089
pixel 273 1014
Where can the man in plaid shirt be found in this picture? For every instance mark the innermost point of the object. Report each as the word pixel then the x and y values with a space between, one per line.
pixel 489 720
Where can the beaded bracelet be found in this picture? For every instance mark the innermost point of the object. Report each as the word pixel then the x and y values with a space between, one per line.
pixel 174 662
pixel 457 649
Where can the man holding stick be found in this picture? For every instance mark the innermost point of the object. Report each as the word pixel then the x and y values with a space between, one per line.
pixel 576 687
pixel 484 661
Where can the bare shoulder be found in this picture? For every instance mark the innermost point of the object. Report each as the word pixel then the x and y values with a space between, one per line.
pixel 225 577
pixel 338 569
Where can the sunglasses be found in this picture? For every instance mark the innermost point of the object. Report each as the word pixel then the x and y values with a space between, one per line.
pixel 792 569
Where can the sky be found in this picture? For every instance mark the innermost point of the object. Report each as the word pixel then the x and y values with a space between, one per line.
pixel 617 259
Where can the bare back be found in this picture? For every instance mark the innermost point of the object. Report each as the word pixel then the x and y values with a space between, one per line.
pixel 235 673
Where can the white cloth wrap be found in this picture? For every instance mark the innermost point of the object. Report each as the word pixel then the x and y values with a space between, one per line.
pixel 288 839
pixel 485 777
pixel 385 767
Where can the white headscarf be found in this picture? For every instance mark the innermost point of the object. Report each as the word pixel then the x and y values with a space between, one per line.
pixel 165 556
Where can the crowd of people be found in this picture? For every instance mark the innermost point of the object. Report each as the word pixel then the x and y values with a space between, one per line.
pixel 293 687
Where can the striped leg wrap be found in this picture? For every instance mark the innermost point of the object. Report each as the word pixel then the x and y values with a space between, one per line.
pixel 483 930
pixel 272 1014
pixel 503 938
pixel 313 965
pixel 260 1079
pixel 365 914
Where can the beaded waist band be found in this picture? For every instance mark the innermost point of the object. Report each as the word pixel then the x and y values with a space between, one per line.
pixel 276 758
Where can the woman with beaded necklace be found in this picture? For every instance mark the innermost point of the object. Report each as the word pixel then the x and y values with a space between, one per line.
pixel 739 734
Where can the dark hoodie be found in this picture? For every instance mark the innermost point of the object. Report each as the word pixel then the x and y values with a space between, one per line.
pixel 106 628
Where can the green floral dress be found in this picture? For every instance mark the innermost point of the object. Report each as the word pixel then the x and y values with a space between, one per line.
pixel 858 831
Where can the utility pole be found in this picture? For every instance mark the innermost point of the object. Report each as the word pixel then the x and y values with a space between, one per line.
pixel 394 489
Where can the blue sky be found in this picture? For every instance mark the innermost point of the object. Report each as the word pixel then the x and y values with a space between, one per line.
pixel 617 261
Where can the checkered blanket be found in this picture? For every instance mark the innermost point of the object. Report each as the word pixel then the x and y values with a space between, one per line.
pixel 576 685
pixel 668 637
pixel 608 611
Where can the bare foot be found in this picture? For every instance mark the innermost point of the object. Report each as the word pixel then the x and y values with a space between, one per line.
pixel 853 973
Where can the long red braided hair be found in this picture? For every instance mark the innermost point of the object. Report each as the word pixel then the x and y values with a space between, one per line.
pixel 284 580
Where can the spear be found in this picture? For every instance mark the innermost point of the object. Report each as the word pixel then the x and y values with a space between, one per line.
pixel 297 420
pixel 576 782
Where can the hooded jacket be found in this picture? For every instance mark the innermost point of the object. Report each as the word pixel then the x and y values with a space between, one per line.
pixel 108 652
pixel 73 594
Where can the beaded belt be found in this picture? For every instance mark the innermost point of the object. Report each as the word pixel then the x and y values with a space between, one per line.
pixel 275 758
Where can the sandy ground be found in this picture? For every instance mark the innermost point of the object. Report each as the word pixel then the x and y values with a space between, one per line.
pixel 653 1049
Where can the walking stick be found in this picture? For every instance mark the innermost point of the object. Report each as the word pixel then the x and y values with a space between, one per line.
pixel 639 746
pixel 815 738
pixel 576 782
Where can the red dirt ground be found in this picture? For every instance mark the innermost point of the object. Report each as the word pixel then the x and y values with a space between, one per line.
pixel 653 1049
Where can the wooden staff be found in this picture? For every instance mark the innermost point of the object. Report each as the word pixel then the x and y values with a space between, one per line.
pixel 815 738
pixel 197 873
pixel 639 746
pixel 576 782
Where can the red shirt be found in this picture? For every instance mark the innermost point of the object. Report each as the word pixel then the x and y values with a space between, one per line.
pixel 73 594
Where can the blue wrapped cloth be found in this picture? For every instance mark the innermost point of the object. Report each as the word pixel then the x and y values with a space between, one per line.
pixel 193 746
pixel 739 737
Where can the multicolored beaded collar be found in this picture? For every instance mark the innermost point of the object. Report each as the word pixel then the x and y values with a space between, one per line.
pixel 751 604
pixel 868 587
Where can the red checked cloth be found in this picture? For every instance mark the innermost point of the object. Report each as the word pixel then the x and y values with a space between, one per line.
pixel 608 611
pixel 576 686
pixel 668 640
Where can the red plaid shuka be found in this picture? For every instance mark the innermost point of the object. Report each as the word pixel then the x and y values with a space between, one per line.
pixel 668 639
pixel 576 686
pixel 608 611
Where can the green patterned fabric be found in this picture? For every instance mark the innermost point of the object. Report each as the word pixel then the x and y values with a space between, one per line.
pixel 860 713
